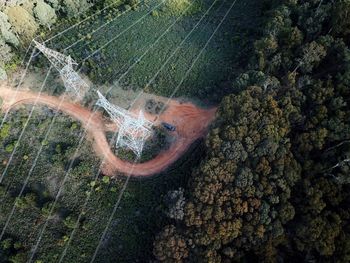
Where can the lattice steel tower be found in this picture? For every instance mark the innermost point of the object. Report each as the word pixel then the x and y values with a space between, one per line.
pixel 134 130
pixel 73 83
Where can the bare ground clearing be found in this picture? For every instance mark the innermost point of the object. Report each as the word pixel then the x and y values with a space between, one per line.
pixel 191 124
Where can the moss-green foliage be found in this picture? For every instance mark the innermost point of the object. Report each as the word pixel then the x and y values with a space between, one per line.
pixel 4 132
pixel 155 13
pixel 176 7
pixel 12 65
pixel 9 147
pixel 182 7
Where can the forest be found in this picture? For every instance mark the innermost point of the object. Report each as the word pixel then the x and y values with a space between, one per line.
pixel 274 184
pixel 270 182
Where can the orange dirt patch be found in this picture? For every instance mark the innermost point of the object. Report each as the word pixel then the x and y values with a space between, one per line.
pixel 191 123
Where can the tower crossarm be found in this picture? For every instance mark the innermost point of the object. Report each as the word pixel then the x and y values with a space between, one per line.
pixel 74 84
pixel 116 114
pixel 120 115
pixel 134 130
pixel 57 59
pixel 145 123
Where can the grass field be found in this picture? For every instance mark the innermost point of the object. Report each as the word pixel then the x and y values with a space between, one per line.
pixel 141 212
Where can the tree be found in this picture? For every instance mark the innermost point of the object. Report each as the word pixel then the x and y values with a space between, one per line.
pixel 5 28
pixel 169 246
pixel 175 201
pixel 45 14
pixel 26 201
pixel 74 7
pixel 22 22
pixel 273 185
pixel 238 196
pixel 341 18
pixel 70 221
pixel 313 53
pixel 5 53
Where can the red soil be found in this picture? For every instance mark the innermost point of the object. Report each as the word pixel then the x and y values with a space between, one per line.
pixel 191 123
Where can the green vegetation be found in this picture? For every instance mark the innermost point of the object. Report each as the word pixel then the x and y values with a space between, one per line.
pixel 274 184
pixel 4 132
pixel 141 215
pixel 271 182
pixel 137 219
pixel 178 7
pixel 21 21
pixel 208 78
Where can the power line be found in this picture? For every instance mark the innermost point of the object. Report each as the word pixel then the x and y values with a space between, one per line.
pixel 53 37
pixel 80 22
pixel 129 175
pixel 49 130
pixel 23 129
pixel 41 233
pixel 123 189
pixel 16 92
pixel 100 166
pixel 19 84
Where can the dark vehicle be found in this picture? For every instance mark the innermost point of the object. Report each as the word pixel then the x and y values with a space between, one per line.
pixel 168 126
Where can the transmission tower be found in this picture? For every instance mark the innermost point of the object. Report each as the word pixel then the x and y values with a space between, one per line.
pixel 133 130
pixel 73 83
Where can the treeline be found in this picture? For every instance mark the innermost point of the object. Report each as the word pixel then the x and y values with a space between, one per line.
pixel 274 185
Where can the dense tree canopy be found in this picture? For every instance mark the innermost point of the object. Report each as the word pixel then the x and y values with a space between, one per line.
pixel 275 181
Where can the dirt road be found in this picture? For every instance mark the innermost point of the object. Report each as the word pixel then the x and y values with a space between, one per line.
pixel 191 123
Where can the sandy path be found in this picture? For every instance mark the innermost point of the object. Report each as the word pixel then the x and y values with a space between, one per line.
pixel 191 123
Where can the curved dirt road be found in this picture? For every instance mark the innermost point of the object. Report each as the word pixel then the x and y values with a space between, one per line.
pixel 191 123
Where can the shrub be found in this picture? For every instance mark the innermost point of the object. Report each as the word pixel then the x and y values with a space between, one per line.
pixel 45 14
pixel 155 13
pixel 178 7
pixel 4 132
pixel 9 148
